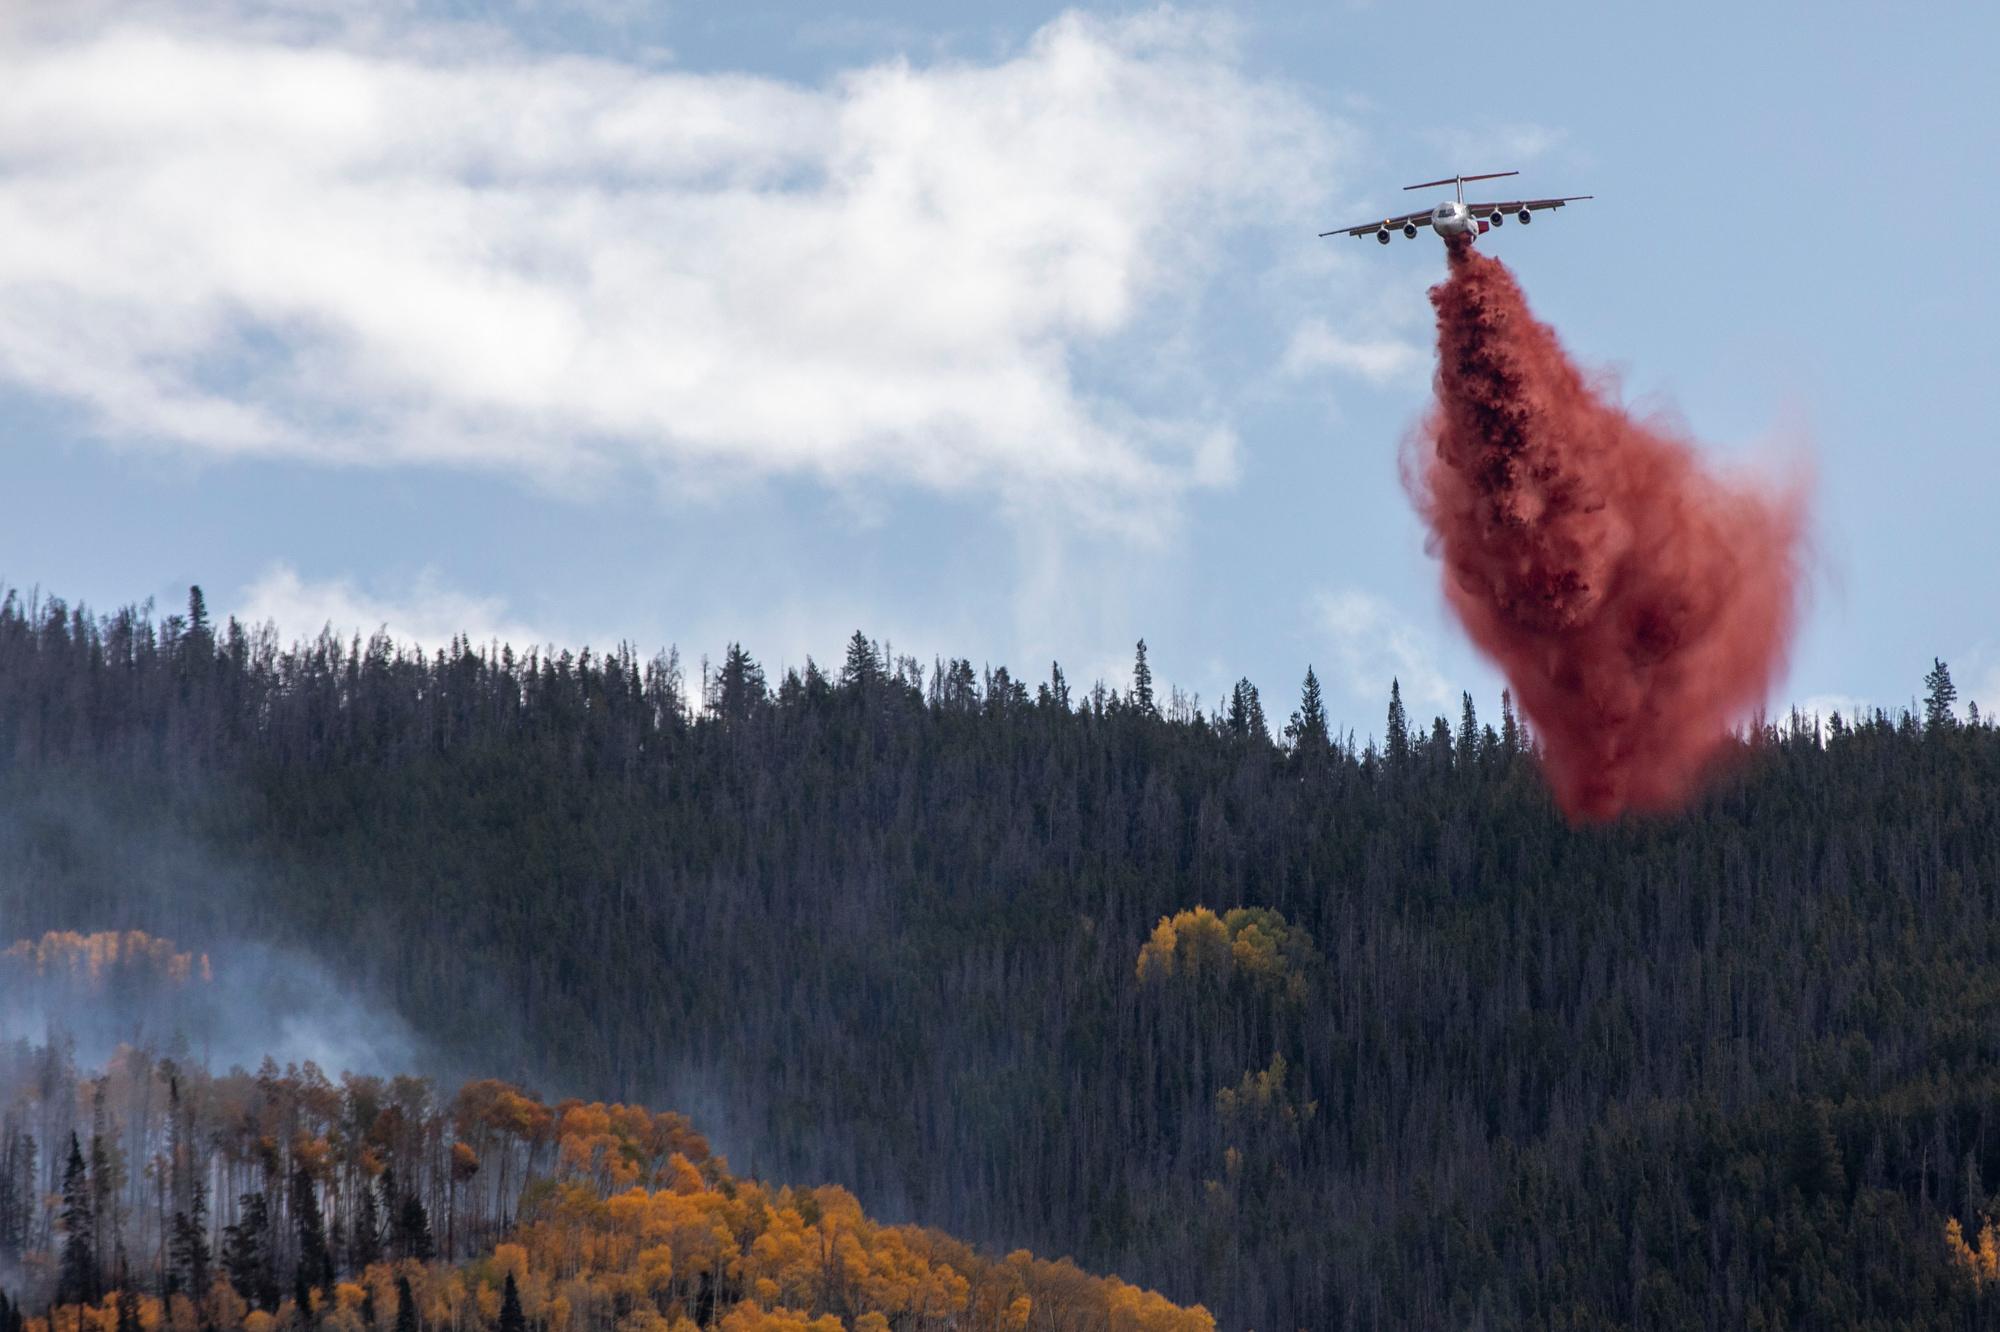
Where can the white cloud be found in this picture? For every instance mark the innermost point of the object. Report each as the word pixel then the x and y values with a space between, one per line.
pixel 1372 646
pixel 1821 708
pixel 1480 147
pixel 1825 705
pixel 1977 676
pixel 1381 360
pixel 355 251
pixel 429 614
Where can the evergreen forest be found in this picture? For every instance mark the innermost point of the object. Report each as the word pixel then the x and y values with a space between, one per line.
pixel 1314 1031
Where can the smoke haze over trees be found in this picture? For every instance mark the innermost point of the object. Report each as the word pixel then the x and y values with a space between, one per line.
pixel 1430 1056
pixel 232 1006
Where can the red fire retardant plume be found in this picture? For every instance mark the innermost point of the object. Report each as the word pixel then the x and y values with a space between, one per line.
pixel 1639 606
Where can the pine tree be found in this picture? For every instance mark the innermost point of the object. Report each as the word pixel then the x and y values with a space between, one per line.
pixel 413 1230
pixel 1245 719
pixel 1002 693
pixel 1396 745
pixel 1438 752
pixel 1510 730
pixel 1307 731
pixel 104 1172
pixel 511 1317
pixel 406 1306
pixel 1939 696
pixel 862 669
pixel 188 1249
pixel 1468 733
pixel 956 688
pixel 816 687
pixel 197 643
pixel 246 1252
pixel 1142 683
pixel 739 686
pixel 76 1280
pixel 315 1259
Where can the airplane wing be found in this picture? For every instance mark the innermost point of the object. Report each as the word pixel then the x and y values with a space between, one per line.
pixel 1516 205
pixel 1422 219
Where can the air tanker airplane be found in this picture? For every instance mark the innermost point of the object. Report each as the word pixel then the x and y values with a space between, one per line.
pixel 1456 217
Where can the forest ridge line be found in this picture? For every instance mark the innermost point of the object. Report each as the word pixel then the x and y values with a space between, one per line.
pixel 657 690
pixel 867 939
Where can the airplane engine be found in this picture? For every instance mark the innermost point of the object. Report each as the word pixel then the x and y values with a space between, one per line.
pixel 1410 230
pixel 1383 235
pixel 1525 216
pixel 1497 218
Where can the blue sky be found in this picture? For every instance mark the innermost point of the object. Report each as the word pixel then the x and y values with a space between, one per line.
pixel 993 331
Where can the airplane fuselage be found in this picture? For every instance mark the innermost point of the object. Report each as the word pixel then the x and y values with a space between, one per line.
pixel 1450 218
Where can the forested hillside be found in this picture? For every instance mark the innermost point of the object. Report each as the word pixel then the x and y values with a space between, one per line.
pixel 1431 1058
pixel 151 1195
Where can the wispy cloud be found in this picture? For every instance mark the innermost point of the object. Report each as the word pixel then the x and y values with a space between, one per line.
pixel 1483 147
pixel 429 613
pixel 224 237
pixel 1379 360
pixel 1978 679
pixel 1372 645
pixel 1822 707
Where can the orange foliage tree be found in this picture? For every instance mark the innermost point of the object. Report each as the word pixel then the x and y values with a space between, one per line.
pixel 606 1217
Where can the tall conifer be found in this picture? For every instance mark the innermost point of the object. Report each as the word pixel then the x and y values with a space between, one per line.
pixel 511 1317
pixel 76 1278
pixel 1396 745
pixel 1939 696
pixel 1307 730
pixel 406 1306
pixel 1142 683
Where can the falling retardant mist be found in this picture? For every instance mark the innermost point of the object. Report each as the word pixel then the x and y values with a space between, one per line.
pixel 1639 606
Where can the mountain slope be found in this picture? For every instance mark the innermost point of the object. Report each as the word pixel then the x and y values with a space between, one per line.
pixel 883 927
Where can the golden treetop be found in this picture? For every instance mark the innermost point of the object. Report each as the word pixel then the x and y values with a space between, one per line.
pixel 1253 942
pixel 93 958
